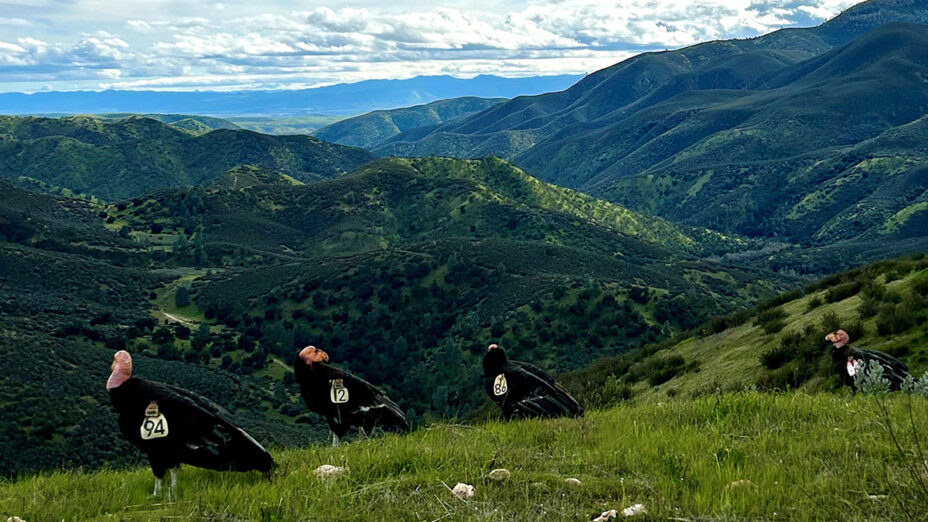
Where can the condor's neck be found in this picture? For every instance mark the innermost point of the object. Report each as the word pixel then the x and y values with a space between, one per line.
pixel 117 379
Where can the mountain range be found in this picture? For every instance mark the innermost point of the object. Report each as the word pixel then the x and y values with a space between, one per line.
pixel 793 135
pixel 339 99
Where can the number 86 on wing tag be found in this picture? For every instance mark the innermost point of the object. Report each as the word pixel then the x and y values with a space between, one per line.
pixel 500 386
pixel 338 394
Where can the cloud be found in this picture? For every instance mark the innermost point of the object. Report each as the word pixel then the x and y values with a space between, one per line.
pixel 265 44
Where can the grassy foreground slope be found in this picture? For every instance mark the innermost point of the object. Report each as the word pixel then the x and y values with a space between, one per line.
pixel 737 456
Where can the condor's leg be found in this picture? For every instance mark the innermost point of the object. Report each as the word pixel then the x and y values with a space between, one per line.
pixel 173 481
pixel 158 468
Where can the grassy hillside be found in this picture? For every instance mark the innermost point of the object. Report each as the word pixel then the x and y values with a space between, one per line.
pixel 132 156
pixel 368 130
pixel 821 155
pixel 780 345
pixel 727 457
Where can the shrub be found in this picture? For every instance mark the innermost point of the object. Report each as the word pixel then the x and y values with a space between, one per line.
pixel 772 320
pixel 815 302
pixel 898 318
pixel 830 322
pixel 869 307
pixel 842 292
pixel 776 357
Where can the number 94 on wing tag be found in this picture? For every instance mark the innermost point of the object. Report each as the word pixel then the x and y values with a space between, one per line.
pixel 338 394
pixel 154 426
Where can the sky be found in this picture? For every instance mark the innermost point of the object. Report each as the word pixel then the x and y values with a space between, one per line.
pixel 285 44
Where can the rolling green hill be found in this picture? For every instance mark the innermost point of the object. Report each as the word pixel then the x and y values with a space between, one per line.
pixel 368 130
pixel 192 123
pixel 396 201
pixel 132 156
pixel 793 135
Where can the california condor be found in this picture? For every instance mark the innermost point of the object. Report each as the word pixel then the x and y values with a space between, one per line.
pixel 345 400
pixel 174 426
pixel 524 390
pixel 850 361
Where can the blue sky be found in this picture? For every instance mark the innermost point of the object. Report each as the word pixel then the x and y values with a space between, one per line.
pixel 270 44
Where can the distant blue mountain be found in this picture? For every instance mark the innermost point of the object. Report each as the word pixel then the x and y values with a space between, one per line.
pixel 340 99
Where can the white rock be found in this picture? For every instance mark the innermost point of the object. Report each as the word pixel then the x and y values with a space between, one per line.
pixel 607 515
pixel 463 491
pixel 500 475
pixel 573 481
pixel 637 509
pixel 328 471
pixel 15 519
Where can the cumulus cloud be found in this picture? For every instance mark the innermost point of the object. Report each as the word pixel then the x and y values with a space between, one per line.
pixel 264 45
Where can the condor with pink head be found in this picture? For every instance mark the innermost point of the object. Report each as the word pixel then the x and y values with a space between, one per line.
pixel 849 362
pixel 174 426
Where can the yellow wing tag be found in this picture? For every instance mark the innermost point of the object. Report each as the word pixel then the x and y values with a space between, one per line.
pixel 155 426
pixel 338 394
pixel 500 386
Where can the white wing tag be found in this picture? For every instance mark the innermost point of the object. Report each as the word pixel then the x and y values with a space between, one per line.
pixel 852 367
pixel 500 386
pixel 338 394
pixel 155 426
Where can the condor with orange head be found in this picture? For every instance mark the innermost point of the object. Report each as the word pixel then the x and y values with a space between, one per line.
pixel 345 400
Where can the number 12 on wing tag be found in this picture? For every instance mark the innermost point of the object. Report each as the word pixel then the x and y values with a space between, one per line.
pixel 500 386
pixel 338 394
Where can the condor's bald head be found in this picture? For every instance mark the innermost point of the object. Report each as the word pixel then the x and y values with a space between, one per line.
pixel 838 339
pixel 311 354
pixel 494 360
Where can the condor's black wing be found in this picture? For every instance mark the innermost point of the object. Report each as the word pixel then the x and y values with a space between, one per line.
pixel 193 430
pixel 530 392
pixel 364 400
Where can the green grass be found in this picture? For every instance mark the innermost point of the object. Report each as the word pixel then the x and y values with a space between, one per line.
pixel 806 457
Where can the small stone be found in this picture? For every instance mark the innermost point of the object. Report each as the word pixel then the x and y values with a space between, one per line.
pixel 637 509
pixel 15 519
pixel 607 515
pixel 573 481
pixel 463 491
pixel 743 483
pixel 500 475
pixel 328 471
